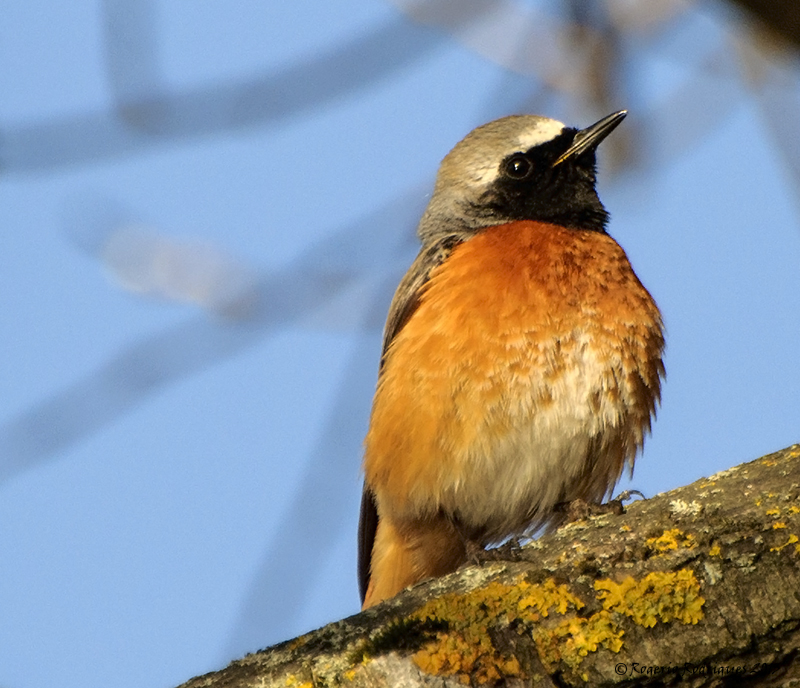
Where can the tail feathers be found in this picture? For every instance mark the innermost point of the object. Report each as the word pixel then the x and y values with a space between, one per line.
pixel 407 553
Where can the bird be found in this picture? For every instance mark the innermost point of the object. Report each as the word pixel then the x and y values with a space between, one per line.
pixel 522 357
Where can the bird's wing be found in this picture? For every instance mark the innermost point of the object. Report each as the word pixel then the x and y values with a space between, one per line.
pixel 406 298
pixel 367 527
pixel 405 302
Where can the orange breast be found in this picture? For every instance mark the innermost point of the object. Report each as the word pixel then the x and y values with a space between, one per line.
pixel 530 339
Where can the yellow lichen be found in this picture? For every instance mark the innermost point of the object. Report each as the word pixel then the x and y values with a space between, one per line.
pixel 775 511
pixel 714 551
pixel 671 539
pixel 659 596
pixel 293 682
pixel 575 637
pixel 468 654
pixel 777 526
pixel 794 509
pixel 792 539
pixel 539 600
pixel 465 649
pixel 546 610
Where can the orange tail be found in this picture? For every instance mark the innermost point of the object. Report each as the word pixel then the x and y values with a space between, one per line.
pixel 409 553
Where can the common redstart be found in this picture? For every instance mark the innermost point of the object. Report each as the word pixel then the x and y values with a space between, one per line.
pixel 522 357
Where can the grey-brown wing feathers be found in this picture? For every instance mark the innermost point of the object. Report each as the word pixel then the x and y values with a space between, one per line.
pixel 406 298
pixel 367 527
pixel 405 302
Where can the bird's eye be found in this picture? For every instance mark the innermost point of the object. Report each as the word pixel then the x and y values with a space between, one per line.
pixel 518 167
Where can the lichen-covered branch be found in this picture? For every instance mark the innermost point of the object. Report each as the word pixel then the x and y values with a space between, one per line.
pixel 699 586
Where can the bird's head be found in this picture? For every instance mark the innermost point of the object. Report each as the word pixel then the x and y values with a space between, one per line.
pixel 522 167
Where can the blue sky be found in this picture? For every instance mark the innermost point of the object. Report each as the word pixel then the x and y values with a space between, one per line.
pixel 179 486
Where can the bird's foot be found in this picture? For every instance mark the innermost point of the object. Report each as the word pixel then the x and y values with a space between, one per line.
pixel 510 550
pixel 477 554
pixel 579 509
pixel 474 551
pixel 627 495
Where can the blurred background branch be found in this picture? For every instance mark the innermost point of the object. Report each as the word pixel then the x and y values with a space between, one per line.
pixel 779 16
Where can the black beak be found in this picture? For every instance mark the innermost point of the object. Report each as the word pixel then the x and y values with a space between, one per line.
pixel 589 138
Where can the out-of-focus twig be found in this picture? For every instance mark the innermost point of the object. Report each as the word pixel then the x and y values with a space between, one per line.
pixel 166 117
pixel 780 16
pixel 347 262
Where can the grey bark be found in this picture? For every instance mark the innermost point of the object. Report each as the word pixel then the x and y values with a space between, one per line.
pixel 699 586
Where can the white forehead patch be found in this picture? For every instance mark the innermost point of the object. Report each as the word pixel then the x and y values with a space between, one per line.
pixel 545 130
pixel 540 132
pixel 474 160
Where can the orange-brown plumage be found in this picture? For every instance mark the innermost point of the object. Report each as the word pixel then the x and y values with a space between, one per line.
pixel 522 372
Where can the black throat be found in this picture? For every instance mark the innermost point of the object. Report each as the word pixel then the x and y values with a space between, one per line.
pixel 563 194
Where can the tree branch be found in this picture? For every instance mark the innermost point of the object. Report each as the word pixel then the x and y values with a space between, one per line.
pixel 697 586
pixel 780 16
